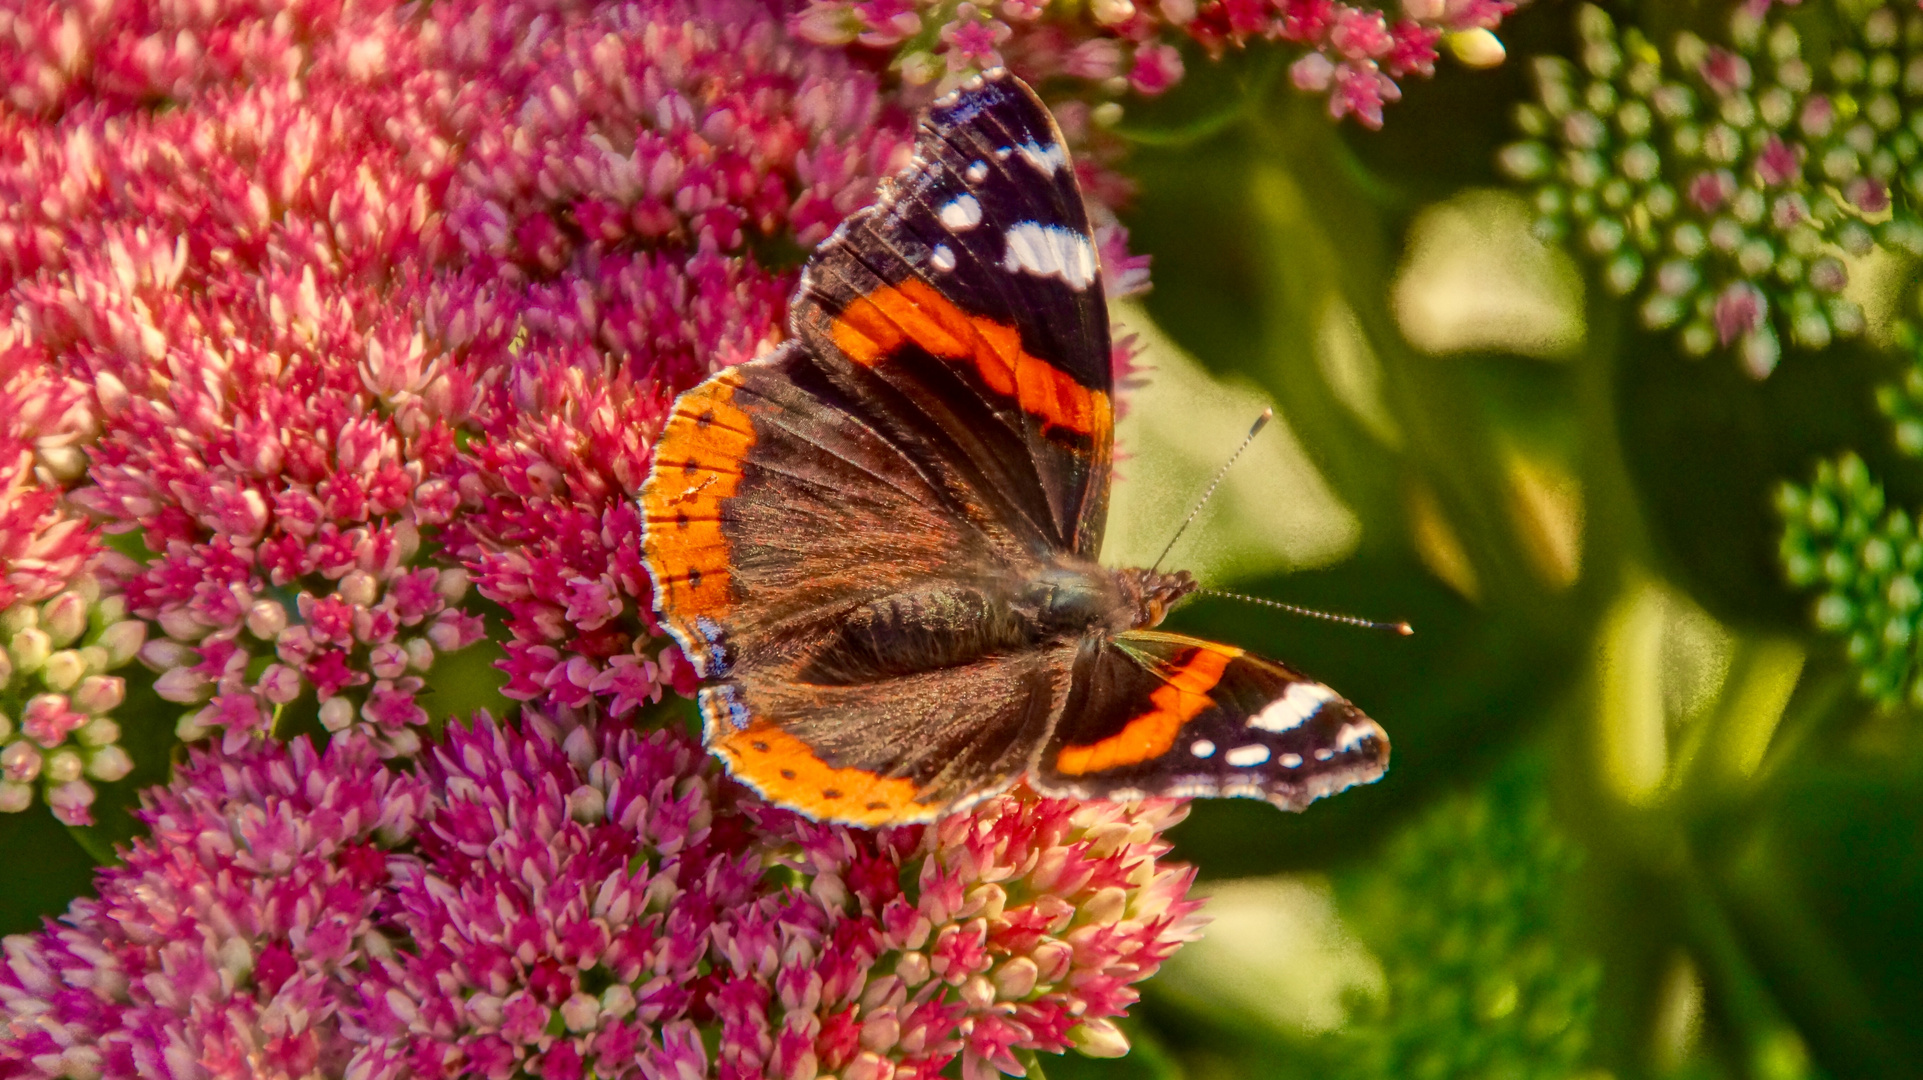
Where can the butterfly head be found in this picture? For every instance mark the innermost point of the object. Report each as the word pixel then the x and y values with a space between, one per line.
pixel 1150 594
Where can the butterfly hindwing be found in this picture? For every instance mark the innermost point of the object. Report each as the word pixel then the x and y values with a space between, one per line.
pixel 1162 714
pixel 967 307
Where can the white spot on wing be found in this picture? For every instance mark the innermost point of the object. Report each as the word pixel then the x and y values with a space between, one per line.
pixel 1045 159
pixel 1202 748
pixel 977 172
pixel 961 212
pixel 1050 251
pixel 942 258
pixel 1247 756
pixel 1323 753
pixel 1286 713
pixel 1291 761
pixel 1351 736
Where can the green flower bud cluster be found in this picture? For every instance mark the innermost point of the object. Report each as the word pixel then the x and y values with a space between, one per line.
pixel 1726 186
pixel 1902 401
pixel 1867 560
pixel 57 697
pixel 1463 911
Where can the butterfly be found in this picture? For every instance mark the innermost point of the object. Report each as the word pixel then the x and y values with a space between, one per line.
pixel 879 541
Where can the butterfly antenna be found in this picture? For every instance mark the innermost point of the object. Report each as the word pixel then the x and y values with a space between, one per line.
pixel 1260 423
pixel 1402 628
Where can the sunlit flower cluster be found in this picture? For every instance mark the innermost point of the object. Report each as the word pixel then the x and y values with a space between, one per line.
pixel 551 902
pixel 354 327
pixel 1352 53
pixel 1727 185
pixel 45 423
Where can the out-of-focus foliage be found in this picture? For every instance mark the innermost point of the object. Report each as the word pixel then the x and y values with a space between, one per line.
pixel 1554 350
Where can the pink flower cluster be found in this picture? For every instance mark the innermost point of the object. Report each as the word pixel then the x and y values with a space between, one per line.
pixel 228 943
pixel 555 902
pixel 362 320
pixel 398 304
pixel 1355 54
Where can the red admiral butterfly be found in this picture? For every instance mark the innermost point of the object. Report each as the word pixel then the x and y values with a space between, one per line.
pixel 879 540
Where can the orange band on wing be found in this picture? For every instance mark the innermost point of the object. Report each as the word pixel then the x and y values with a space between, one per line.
pixel 874 326
pixel 697 467
pixel 787 771
pixel 1149 735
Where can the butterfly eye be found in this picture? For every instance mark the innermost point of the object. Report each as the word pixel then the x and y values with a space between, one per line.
pixel 1156 610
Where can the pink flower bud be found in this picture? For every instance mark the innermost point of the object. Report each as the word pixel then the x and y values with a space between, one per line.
pixel 63 670
pixel 452 584
pixel 183 686
pixel 48 719
pixel 359 588
pixel 387 661
pixel 100 693
pixel 64 618
pixel 63 766
pixel 71 802
pixel 15 796
pixel 20 761
pixel 100 731
pixel 336 714
pixel 1099 1039
pixel 182 624
pixel 279 684
pixel 266 619
pixel 29 649
pixel 161 654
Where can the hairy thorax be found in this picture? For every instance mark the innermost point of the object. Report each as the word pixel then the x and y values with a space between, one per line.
pixel 947 624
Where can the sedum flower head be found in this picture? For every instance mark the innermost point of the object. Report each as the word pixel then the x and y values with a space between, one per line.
pixel 1727 186
pixel 1467 917
pixel 365 335
pixel 226 943
pixel 557 901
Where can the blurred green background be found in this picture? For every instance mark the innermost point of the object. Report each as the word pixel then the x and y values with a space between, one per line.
pixel 1644 817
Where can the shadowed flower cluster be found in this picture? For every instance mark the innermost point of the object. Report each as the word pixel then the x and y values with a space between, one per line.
pixel 553 902
pixel 1730 185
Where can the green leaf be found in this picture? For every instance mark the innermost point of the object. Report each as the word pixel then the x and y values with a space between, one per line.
pixel 47 868
pixel 1822 882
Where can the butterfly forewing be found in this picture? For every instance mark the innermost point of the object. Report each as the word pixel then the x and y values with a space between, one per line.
pixel 968 305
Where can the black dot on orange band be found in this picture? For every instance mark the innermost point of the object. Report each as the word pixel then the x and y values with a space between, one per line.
pixel 694 577
pixel 688 467
pixel 877 806
pixel 704 419
pixel 759 745
pixel 681 518
pixel 831 793
pixel 787 774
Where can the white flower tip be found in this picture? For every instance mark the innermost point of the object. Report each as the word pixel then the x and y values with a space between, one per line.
pixel 1099 1039
pixel 1477 48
